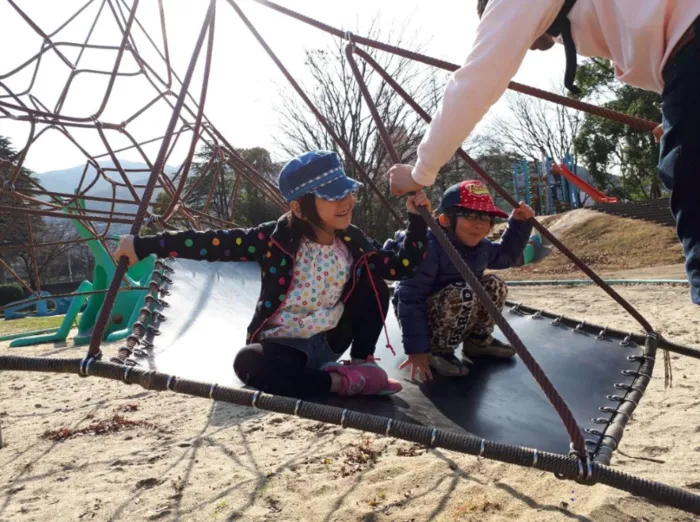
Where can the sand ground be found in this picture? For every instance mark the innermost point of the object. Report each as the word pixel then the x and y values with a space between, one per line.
pixel 171 457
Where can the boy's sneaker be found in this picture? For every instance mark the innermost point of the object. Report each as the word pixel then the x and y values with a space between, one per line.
pixel 448 365
pixel 488 346
pixel 364 378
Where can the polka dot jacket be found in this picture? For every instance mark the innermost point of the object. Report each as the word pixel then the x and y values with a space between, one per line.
pixel 273 247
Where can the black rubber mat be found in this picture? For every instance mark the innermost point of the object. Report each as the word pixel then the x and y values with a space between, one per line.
pixel 210 305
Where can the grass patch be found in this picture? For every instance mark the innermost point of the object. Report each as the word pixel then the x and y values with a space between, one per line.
pixel 29 324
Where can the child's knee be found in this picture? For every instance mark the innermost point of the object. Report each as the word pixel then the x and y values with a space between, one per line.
pixel 495 286
pixel 249 363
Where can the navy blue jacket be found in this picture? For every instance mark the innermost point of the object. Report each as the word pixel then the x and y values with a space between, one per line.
pixel 437 271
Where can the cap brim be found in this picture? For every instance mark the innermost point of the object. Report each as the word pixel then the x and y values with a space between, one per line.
pixel 493 210
pixel 337 189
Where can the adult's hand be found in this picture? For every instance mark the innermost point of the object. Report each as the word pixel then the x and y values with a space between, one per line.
pixel 401 181
pixel 658 133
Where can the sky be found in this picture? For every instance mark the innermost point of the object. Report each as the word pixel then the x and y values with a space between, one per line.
pixel 244 83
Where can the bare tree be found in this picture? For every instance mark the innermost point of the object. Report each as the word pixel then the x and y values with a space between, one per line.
pixel 50 260
pixel 536 128
pixel 335 92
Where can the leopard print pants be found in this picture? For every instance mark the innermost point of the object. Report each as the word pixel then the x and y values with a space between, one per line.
pixel 454 313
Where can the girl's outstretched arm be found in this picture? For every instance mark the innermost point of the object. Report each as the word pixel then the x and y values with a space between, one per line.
pixel 238 244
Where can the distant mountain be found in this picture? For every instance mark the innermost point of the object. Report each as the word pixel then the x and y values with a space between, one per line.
pixel 66 181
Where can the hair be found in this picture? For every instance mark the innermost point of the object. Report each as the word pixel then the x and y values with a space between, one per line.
pixel 302 227
pixel 481 7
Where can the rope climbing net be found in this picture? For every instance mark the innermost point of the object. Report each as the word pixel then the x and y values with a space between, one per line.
pixel 139 54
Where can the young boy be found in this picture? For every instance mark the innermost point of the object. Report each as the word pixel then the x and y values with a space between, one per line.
pixel 655 45
pixel 436 309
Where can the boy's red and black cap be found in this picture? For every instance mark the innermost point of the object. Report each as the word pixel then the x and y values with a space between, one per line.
pixel 472 195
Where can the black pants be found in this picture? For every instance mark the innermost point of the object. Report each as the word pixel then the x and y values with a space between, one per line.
pixel 679 163
pixel 279 369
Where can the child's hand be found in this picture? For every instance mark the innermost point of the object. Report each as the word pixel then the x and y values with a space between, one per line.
pixel 420 362
pixel 523 212
pixel 420 199
pixel 126 248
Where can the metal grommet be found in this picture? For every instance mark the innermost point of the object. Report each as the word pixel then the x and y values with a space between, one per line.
pixel 591 431
pixel 557 320
pixel 602 333
pixel 579 327
pixel 155 331
pixel 254 402
pixel 537 315
pixel 297 406
pixel 516 308
pixel 617 398
pixel 388 427
pixel 534 458
pixel 211 391
pixel 433 436
pixel 630 373
pixel 342 418
pixel 170 384
pixel 627 340
pixel 600 420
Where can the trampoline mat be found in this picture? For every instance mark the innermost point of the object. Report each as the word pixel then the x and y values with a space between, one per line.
pixel 211 304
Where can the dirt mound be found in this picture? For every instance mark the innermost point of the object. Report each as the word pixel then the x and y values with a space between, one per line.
pixel 606 243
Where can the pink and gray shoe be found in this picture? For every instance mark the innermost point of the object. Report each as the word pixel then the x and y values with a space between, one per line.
pixel 363 378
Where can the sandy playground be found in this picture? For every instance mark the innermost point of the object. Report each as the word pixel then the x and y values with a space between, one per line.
pixel 91 449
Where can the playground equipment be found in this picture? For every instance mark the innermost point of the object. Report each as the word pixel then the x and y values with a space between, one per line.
pixel 126 307
pixel 557 181
pixel 594 193
pixel 532 249
pixel 612 389
pixel 30 307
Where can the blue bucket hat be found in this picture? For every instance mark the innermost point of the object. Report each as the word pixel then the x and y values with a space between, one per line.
pixel 316 172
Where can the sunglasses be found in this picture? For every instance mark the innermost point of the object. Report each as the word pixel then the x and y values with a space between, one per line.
pixel 474 215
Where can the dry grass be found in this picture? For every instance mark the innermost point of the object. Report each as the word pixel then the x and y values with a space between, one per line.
pixel 605 243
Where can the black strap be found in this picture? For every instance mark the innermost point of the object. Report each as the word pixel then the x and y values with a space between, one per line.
pixel 562 26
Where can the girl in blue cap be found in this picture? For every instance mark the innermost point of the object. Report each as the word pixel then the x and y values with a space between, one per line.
pixel 322 289
pixel 437 310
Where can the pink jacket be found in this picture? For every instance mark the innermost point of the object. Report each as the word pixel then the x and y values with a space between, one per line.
pixel 637 35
